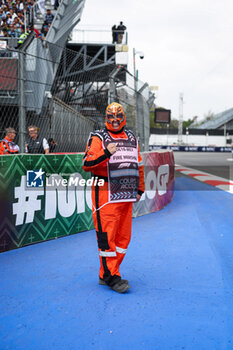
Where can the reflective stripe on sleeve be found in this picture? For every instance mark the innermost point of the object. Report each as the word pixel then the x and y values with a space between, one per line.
pixel 140 163
pixel 121 250
pixel 107 254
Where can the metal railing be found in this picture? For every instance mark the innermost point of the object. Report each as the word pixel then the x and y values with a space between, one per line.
pixel 102 36
pixel 6 44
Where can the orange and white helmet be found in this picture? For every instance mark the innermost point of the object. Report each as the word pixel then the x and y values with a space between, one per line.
pixel 114 112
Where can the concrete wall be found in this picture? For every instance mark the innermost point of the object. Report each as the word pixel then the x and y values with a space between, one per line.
pixel 192 140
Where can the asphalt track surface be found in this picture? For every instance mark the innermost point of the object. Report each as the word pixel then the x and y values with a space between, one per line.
pixel 180 267
pixel 217 163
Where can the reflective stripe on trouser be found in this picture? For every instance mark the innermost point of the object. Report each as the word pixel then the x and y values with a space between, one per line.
pixel 113 228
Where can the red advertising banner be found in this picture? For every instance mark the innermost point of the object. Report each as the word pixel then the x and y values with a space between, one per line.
pixel 159 180
pixel 8 74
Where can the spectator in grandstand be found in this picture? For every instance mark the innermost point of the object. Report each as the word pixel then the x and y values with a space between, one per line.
pixel 5 32
pixel 2 15
pixel 3 19
pixel 112 210
pixel 19 5
pixel 2 31
pixel 56 4
pixel 5 7
pixel 13 14
pixel 11 31
pixel 48 17
pixel 13 5
pixel 30 4
pixel 45 30
pixel 21 17
pixel 9 19
pixel 2 12
pixel 7 145
pixel 121 29
pixel 17 28
pixel 19 22
pixel 36 143
pixel 29 12
pixel 114 34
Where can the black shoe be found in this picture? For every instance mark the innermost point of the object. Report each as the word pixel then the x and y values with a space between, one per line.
pixel 120 287
pixel 103 283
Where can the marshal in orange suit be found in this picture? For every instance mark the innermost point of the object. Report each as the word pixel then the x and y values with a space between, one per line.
pixel 112 154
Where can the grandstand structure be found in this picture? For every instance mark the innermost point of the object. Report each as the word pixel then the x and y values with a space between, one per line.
pixel 63 87
pixel 223 120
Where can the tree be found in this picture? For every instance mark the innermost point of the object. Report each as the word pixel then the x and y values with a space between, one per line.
pixel 174 124
pixel 186 123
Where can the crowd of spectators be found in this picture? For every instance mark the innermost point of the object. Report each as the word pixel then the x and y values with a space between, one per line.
pixel 17 19
pixel 12 17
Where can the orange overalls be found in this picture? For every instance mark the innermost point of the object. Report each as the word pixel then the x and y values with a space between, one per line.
pixel 7 146
pixel 112 221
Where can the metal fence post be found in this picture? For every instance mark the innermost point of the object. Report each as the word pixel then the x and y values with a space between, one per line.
pixel 112 85
pixel 22 101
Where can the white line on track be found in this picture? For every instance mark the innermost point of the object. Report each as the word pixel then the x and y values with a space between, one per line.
pixel 217 181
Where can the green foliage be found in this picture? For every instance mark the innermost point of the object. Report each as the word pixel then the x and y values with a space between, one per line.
pixel 186 123
pixel 174 124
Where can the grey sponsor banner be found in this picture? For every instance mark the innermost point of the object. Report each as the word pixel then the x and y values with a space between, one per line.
pixel 191 148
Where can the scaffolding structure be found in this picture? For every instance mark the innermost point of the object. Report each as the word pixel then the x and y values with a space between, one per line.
pixel 65 94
